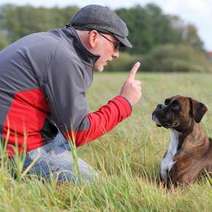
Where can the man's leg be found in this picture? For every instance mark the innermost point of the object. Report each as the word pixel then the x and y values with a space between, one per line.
pixel 55 160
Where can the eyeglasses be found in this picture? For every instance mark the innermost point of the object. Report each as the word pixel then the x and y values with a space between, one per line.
pixel 116 44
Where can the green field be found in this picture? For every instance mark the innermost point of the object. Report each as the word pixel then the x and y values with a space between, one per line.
pixel 127 158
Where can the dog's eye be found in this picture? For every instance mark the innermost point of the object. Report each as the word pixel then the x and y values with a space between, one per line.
pixel 167 101
pixel 175 105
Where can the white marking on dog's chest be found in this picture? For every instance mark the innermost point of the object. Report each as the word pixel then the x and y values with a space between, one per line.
pixel 167 162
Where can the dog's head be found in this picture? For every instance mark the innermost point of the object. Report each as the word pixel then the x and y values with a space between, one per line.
pixel 178 112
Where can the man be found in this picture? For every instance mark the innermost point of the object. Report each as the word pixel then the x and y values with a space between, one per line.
pixel 43 80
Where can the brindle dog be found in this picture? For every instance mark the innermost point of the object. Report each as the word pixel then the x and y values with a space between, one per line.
pixel 190 150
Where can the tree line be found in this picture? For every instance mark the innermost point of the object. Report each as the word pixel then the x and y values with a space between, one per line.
pixel 148 25
pixel 149 28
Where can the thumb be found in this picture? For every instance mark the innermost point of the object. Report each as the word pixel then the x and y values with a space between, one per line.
pixel 133 71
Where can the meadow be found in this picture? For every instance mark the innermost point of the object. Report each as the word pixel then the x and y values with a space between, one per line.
pixel 127 158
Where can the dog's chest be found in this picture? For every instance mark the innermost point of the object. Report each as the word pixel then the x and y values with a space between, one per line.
pixel 168 162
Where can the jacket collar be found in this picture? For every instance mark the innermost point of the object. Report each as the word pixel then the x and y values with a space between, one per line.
pixel 81 50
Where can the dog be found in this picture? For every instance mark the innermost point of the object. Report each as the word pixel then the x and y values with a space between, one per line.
pixel 189 154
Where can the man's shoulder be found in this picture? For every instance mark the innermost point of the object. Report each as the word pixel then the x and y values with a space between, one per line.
pixel 42 39
pixel 44 43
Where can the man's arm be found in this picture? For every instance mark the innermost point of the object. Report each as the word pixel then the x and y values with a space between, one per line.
pixel 109 115
pixel 102 120
pixel 66 85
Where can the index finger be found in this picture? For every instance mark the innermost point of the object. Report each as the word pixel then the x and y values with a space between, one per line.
pixel 133 71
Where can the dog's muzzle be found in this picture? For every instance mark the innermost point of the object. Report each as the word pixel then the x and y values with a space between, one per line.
pixel 161 118
pixel 157 113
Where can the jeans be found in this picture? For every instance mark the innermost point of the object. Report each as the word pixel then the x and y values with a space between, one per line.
pixel 55 159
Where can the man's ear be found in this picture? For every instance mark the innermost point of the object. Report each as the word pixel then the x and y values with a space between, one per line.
pixel 198 109
pixel 92 39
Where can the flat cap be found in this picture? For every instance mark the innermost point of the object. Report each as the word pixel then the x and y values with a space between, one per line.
pixel 101 19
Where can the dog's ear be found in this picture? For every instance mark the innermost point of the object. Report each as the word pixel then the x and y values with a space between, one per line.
pixel 198 109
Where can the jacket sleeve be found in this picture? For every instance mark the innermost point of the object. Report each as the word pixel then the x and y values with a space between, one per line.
pixel 102 121
pixel 66 83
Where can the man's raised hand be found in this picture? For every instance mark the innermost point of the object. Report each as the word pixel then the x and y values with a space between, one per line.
pixel 131 88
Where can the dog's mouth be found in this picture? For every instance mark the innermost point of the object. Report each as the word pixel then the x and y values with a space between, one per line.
pixel 164 123
pixel 167 125
pixel 158 125
pixel 157 122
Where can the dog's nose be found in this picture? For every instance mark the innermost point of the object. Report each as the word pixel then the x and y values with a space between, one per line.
pixel 159 107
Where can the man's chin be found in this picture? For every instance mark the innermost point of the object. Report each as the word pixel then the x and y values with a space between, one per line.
pixel 99 68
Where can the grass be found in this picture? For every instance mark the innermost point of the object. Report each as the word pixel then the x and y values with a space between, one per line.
pixel 127 158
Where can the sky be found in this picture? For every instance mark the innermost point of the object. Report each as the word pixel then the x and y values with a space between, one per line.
pixel 197 12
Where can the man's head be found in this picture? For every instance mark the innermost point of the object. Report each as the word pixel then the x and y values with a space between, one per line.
pixel 101 31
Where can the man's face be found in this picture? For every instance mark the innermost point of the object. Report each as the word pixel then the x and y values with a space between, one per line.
pixel 107 49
